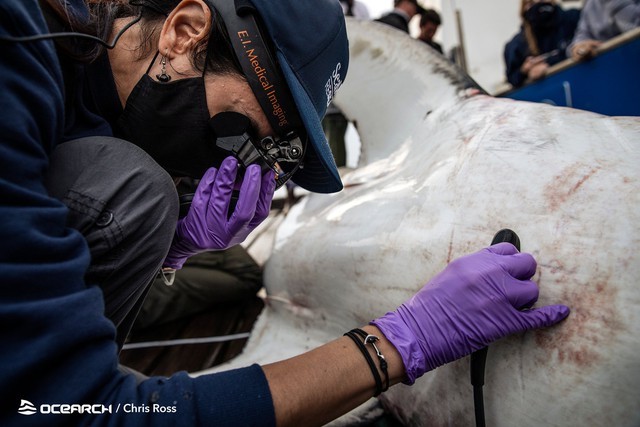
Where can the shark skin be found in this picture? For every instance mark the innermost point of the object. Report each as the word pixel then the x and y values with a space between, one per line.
pixel 443 167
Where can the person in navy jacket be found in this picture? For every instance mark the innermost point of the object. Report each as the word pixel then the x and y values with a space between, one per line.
pixel 546 31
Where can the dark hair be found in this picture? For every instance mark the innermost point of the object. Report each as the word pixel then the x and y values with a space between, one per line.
pixel 430 15
pixel 529 35
pixel 214 54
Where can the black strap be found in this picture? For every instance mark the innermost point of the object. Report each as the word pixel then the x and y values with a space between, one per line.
pixel 372 339
pixel 376 376
pixel 259 66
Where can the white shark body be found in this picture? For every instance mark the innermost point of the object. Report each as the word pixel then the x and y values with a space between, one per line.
pixel 442 169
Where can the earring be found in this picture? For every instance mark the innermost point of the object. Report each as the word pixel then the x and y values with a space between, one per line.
pixel 163 76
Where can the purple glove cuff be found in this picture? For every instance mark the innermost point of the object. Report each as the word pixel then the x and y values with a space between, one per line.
pixel 208 226
pixel 405 342
pixel 177 255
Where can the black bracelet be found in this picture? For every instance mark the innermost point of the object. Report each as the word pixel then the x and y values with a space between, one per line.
pixel 372 339
pixel 376 376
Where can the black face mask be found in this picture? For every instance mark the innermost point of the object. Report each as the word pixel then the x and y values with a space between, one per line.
pixel 541 15
pixel 170 121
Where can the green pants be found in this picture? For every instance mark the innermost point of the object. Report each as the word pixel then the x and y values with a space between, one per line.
pixel 205 280
pixel 335 127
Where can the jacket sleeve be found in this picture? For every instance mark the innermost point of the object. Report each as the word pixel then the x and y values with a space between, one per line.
pixel 602 20
pixel 59 353
pixel 514 58
pixel 625 14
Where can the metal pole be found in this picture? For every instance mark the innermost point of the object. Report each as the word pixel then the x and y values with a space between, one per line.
pixel 461 57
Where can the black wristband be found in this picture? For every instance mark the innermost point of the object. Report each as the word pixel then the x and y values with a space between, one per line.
pixel 371 339
pixel 376 376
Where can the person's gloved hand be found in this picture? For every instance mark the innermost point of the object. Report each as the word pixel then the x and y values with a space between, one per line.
pixel 206 226
pixel 475 300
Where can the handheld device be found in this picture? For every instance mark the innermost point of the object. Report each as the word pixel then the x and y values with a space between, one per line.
pixel 479 357
pixel 233 134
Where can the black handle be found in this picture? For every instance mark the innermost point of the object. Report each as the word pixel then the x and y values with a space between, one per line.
pixel 479 357
pixel 506 235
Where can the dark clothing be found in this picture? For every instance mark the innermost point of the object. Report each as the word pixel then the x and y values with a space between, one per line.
pixel 80 117
pixel 556 38
pixel 335 126
pixel 126 208
pixel 58 345
pixel 205 280
pixel 434 45
pixel 395 20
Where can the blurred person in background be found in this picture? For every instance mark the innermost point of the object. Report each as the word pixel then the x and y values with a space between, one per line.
pixel 403 11
pixel 355 8
pixel 602 20
pixel 430 21
pixel 546 31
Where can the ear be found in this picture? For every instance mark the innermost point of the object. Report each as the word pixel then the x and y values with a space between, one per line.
pixel 188 24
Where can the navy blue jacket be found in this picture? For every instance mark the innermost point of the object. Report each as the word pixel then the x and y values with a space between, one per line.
pixel 517 50
pixel 395 20
pixel 57 346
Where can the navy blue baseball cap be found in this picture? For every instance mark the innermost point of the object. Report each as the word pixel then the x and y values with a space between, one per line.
pixel 310 42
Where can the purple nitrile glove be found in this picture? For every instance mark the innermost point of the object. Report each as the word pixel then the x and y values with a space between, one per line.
pixel 206 226
pixel 475 300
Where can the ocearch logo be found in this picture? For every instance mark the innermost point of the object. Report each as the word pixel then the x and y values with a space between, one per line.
pixel 26 408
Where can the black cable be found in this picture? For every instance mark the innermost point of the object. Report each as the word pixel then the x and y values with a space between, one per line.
pixel 478 404
pixel 60 35
pixel 479 357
